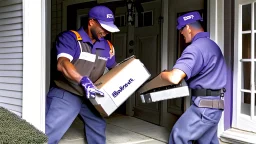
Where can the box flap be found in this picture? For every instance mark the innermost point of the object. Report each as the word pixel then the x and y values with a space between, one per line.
pixel 129 58
pixel 154 83
pixel 106 77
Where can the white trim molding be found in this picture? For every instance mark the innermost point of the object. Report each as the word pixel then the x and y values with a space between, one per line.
pixel 216 22
pixel 215 25
pixel 164 45
pixel 164 55
pixel 238 136
pixel 34 62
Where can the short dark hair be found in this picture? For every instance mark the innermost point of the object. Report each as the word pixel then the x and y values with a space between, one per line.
pixel 196 24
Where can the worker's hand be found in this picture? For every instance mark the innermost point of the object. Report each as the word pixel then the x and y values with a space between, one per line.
pixel 90 90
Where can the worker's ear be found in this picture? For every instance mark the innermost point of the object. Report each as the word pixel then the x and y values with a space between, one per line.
pixel 188 29
pixel 90 22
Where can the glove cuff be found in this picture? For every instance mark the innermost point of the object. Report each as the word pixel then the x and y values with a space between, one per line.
pixel 85 79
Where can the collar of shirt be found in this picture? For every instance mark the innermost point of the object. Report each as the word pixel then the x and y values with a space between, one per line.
pixel 201 35
pixel 98 44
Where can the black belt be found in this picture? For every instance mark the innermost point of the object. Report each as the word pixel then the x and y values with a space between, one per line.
pixel 208 92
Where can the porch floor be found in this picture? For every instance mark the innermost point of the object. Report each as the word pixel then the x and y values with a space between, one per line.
pixel 121 130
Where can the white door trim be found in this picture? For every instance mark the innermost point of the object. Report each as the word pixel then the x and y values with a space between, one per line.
pixel 164 48
pixel 215 24
pixel 164 55
pixel 34 61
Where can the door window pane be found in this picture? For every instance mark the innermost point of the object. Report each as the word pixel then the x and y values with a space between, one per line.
pixel 144 19
pixel 148 18
pixel 245 103
pixel 122 23
pixel 246 17
pixel 118 21
pixel 140 19
pixel 84 20
pixel 245 75
pixel 246 46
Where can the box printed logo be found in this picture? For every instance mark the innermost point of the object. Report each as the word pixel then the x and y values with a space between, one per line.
pixel 121 88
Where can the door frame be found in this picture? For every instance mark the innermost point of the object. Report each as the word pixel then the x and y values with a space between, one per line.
pixel 36 32
pixel 164 56
pixel 215 25
pixel 242 121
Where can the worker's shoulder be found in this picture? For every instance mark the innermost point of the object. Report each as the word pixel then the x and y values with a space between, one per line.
pixel 108 42
pixel 67 35
pixel 204 41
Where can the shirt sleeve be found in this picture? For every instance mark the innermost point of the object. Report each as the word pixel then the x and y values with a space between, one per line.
pixel 191 62
pixel 111 62
pixel 66 45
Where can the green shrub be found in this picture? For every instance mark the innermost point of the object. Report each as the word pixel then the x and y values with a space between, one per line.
pixel 14 130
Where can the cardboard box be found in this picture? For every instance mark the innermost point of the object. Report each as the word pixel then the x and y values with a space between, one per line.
pixel 158 89
pixel 119 84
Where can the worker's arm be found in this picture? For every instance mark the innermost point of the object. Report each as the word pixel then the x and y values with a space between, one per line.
pixel 174 76
pixel 67 47
pixel 188 65
pixel 67 68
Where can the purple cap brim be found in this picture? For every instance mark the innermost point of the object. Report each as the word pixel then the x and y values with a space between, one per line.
pixel 109 26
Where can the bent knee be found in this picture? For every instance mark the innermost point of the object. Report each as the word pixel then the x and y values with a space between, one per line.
pixel 177 136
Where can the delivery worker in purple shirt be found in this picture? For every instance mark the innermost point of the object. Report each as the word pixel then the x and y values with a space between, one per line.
pixel 203 67
pixel 82 57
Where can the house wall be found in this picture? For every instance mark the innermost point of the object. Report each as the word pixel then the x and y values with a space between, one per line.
pixel 11 55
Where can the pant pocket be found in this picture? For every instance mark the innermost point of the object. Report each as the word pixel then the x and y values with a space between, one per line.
pixel 211 116
pixel 56 92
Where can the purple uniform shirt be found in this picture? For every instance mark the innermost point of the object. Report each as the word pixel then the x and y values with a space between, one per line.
pixel 67 46
pixel 203 63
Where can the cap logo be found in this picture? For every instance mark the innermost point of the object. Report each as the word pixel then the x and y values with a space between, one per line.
pixel 110 16
pixel 188 17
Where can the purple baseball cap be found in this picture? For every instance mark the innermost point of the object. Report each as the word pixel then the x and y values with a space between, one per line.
pixel 188 18
pixel 105 17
